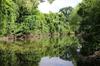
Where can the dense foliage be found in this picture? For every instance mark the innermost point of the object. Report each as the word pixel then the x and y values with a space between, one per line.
pixel 89 26
pixel 22 16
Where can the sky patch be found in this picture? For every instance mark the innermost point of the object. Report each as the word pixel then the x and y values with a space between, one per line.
pixel 55 6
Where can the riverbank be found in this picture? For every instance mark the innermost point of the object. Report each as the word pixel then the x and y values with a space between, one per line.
pixel 33 37
pixel 91 60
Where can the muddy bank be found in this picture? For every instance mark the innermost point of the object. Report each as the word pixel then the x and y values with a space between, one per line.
pixel 32 37
pixel 23 37
pixel 91 60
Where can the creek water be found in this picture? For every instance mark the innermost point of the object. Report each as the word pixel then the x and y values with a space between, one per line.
pixel 54 61
pixel 48 51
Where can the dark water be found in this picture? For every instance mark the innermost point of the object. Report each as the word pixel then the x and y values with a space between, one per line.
pixel 47 51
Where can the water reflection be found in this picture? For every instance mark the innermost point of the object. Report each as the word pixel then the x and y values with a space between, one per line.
pixel 29 53
pixel 54 61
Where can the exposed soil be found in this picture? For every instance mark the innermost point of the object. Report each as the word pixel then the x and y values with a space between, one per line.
pixel 91 60
pixel 32 37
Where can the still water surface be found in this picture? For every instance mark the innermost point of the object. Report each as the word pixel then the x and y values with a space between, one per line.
pixel 54 61
pixel 49 51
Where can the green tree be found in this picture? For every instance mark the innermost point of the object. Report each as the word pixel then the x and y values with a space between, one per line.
pixel 27 9
pixel 50 1
pixel 8 14
pixel 90 26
